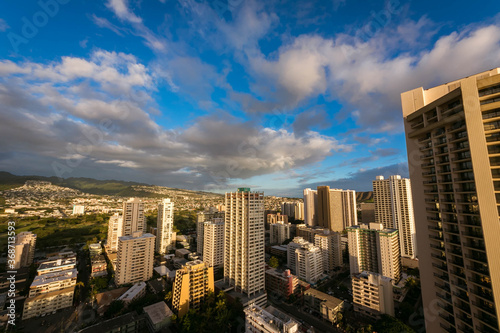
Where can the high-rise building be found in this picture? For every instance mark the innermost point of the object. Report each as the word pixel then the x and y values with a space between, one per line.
pixel 135 258
pixel 367 212
pixel 394 209
pixel 310 207
pixel 309 262
pixel 277 218
pixel 213 244
pixel 299 211
pixel 331 249
pixel 165 224
pixel 372 294
pixel 201 218
pixel 244 257
pixel 288 209
pixel 279 232
pixel 25 242
pixel 115 226
pixel 133 217
pixel 453 144
pixel 269 320
pixel 336 208
pixel 291 247
pixel 192 283
pixel 374 248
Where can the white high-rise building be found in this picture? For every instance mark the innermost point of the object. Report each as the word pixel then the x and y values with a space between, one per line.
pixel 310 207
pixel 374 248
pixel 291 247
pixel 201 218
pixel 133 217
pixel 279 232
pixel 372 294
pixel 213 244
pixel 244 258
pixel 394 209
pixel 309 262
pixel 331 249
pixel 115 226
pixel 165 224
pixel 299 211
pixel 135 258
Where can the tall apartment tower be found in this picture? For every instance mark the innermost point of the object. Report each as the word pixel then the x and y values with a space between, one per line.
pixel 331 249
pixel 201 218
pixel 213 243
pixel 24 249
pixel 336 208
pixel 135 258
pixel 310 207
pixel 133 217
pixel 192 283
pixel 453 143
pixel 165 224
pixel 309 262
pixel 115 226
pixel 394 209
pixel 279 232
pixel 373 248
pixel 244 258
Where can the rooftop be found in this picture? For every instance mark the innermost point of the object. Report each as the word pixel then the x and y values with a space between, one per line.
pixel 56 263
pixel 331 302
pixel 112 324
pixel 158 312
pixel 133 291
pixel 54 277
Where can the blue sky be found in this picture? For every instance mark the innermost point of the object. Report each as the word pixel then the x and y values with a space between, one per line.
pixel 275 95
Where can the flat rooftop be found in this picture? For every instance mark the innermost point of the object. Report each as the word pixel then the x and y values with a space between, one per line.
pixel 158 312
pixel 54 277
pixel 133 291
pixel 62 262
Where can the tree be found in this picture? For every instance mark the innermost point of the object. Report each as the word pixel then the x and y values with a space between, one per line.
pixel 274 262
pixel 114 308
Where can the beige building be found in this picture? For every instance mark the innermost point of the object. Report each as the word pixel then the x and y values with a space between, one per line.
pixel 309 263
pixel 279 232
pixel 374 249
pixel 310 207
pixel 24 249
pixel 133 217
pixel 268 320
pixel 165 224
pixel 331 250
pixel 291 247
pixel 115 226
pixel 213 244
pixel 453 141
pixel 277 218
pixel 324 304
pixel 50 291
pixel 367 212
pixel 56 265
pixel 309 233
pixel 372 294
pixel 394 209
pixel 135 258
pixel 244 258
pixel 336 208
pixel 201 218
pixel 192 283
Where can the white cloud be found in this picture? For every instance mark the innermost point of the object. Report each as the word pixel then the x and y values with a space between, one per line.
pixel 120 8
pixel 3 25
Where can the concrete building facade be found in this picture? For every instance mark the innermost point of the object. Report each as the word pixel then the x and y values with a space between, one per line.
pixel 372 294
pixel 133 217
pixel 135 258
pixel 165 224
pixel 213 244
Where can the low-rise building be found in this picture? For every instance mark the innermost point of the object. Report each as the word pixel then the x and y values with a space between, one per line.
pixel 372 294
pixel 282 283
pixel 128 323
pixel 327 306
pixel 48 302
pixel 135 292
pixel 158 316
pixel 95 249
pixel 268 320
pixel 56 265
pixel 279 251
pixel 98 266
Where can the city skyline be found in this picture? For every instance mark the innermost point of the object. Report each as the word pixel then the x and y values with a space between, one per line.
pixel 274 96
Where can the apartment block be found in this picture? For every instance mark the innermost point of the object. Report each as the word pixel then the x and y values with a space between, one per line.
pixel 453 144
pixel 367 212
pixel 309 263
pixel 133 217
pixel 327 306
pixel 372 294
pixel 24 249
pixel 291 247
pixel 394 209
pixel 213 243
pixel 137 291
pixel 115 226
pixel 165 224
pixel 281 283
pixel 244 257
pixel 374 248
pixel 268 320
pixel 279 232
pixel 56 265
pixel 310 207
pixel 192 283
pixel 98 266
pixel 201 218
pixel 331 249
pixel 277 218
pixel 336 208
pixel 135 258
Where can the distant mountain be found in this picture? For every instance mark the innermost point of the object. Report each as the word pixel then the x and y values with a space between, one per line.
pixel 92 186
pixel 364 196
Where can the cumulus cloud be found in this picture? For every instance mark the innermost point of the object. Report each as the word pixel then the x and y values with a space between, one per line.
pixel 120 8
pixel 67 113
